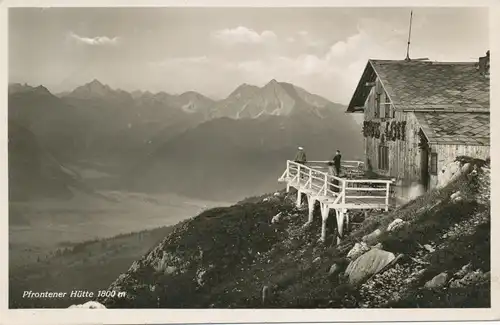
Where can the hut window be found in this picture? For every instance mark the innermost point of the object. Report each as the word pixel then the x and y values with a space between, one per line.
pixel 434 163
pixel 383 157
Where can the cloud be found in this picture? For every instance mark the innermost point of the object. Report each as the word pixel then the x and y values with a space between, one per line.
pixel 336 71
pixel 243 34
pixel 332 70
pixel 95 41
pixel 182 61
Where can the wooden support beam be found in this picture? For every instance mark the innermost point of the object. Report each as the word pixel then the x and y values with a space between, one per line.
pixel 310 202
pixel 299 198
pixel 340 213
pixel 325 211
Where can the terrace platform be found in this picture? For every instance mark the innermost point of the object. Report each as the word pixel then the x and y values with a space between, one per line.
pixel 347 192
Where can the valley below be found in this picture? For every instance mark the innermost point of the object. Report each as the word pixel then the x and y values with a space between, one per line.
pixel 85 242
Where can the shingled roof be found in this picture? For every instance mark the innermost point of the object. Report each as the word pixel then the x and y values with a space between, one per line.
pixel 455 128
pixel 451 100
pixel 418 85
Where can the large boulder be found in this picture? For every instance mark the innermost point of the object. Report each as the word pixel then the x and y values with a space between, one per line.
pixel 448 172
pixel 372 238
pixel 452 171
pixel 438 281
pixel 368 264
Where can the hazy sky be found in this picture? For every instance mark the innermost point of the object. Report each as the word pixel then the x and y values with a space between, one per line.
pixel 213 50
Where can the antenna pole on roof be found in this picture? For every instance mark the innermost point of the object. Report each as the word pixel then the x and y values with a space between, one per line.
pixel 409 37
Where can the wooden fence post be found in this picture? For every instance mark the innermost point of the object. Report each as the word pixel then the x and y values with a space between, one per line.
pixel 343 191
pixel 298 174
pixel 310 178
pixel 326 184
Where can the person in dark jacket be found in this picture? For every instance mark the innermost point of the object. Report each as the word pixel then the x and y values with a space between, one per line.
pixel 337 162
pixel 300 157
pixel 334 169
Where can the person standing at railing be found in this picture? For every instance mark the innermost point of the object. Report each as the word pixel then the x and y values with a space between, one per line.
pixel 337 162
pixel 300 158
pixel 334 169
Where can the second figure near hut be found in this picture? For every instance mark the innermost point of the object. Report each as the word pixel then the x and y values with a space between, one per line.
pixel 334 164
pixel 334 169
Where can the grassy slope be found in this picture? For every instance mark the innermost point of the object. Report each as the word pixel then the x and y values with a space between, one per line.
pixel 90 265
pixel 225 256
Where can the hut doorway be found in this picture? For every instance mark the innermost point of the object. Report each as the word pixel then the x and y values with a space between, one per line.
pixel 424 161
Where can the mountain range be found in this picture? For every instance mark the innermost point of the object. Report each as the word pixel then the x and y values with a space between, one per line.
pixel 186 143
pixel 33 171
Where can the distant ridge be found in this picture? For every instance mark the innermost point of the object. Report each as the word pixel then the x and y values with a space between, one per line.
pixel 274 98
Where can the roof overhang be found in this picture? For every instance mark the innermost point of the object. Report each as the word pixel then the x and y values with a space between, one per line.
pixel 362 90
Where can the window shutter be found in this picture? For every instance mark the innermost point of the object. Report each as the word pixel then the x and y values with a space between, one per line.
pixel 383 157
pixel 434 162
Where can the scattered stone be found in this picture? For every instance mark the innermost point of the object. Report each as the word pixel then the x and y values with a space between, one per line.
pixel 463 271
pixel 89 305
pixel 276 218
pixel 419 261
pixel 368 264
pixel 277 194
pixel 170 269
pixel 199 277
pixel 317 259
pixel 378 246
pixel 395 224
pixel 470 278
pixel 455 195
pixel 134 267
pixel 334 269
pixel 372 237
pixel 358 250
pixel 429 248
pixel 265 200
pixel 438 281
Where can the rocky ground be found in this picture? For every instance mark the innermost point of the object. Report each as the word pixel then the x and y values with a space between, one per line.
pixel 432 252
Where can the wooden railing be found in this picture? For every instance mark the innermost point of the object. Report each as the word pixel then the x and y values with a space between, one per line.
pixel 349 168
pixel 313 177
